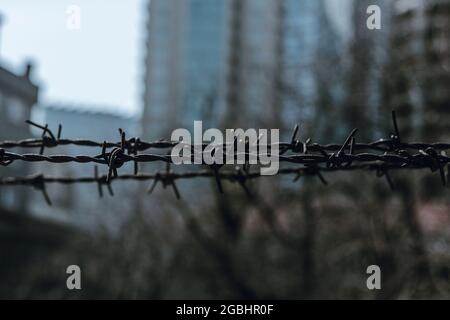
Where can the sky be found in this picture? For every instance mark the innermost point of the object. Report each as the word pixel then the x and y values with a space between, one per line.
pixel 98 65
pixel 95 66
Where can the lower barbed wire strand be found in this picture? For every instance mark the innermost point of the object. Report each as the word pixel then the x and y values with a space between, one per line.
pixel 228 175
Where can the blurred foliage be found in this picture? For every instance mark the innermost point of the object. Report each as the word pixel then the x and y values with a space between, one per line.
pixel 304 243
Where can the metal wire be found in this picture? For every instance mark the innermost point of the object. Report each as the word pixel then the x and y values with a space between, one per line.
pixel 380 156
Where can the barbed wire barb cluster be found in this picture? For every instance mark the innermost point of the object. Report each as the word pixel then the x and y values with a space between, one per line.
pixel 312 159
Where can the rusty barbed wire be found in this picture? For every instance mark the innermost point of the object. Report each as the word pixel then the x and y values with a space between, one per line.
pixel 381 156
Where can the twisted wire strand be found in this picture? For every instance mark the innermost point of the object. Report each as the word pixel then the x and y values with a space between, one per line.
pixel 231 176
pixel 409 160
pixel 383 145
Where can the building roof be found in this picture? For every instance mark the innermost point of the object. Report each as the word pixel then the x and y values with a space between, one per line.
pixel 18 85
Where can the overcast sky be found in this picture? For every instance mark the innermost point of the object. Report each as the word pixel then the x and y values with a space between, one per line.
pixel 97 65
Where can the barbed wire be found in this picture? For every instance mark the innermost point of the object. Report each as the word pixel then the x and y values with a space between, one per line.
pixel 49 140
pixel 168 178
pixel 380 156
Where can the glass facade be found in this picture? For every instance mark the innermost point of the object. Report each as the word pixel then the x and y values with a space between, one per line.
pixel 206 57
pixel 201 52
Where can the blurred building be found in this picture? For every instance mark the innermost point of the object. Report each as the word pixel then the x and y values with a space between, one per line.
pixel 236 63
pixel 311 64
pixel 80 203
pixel 419 76
pixel 207 60
pixel 421 56
pixel 363 60
pixel 255 64
pixel 18 94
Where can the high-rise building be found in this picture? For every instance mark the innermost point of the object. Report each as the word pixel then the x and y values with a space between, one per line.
pixel 419 74
pixel 255 63
pixel 421 57
pixel 234 63
pixel 210 60
pixel 364 64
pixel 311 47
